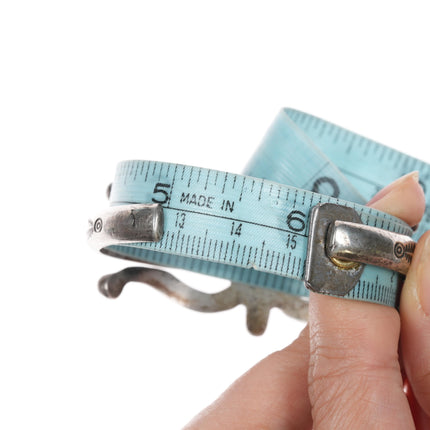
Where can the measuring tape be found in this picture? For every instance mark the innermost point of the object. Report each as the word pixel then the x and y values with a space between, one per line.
pixel 255 228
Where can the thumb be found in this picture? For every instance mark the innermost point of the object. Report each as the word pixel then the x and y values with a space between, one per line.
pixel 354 373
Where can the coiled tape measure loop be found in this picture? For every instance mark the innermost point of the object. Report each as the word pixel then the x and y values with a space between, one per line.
pixel 295 215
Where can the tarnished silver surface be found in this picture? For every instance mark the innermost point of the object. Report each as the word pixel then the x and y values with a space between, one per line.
pixel 370 245
pixel 258 301
pixel 339 244
pixel 322 275
pixel 126 224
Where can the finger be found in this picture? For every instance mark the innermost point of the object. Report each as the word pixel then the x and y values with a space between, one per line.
pixel 403 198
pixel 415 317
pixel 354 372
pixel 421 419
pixel 272 395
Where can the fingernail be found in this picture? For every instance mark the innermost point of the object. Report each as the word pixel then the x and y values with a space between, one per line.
pixel 424 277
pixel 382 193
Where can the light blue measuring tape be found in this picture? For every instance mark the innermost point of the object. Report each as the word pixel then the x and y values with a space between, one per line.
pixel 255 228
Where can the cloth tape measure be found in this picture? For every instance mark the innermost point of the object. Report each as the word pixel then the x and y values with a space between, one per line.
pixel 269 227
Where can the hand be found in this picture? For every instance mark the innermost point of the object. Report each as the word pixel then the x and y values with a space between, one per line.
pixel 344 370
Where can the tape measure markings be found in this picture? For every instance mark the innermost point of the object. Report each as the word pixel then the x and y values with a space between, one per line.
pixel 252 228
pixel 297 220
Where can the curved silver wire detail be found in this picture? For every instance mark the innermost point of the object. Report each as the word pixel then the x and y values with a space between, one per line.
pixel 258 301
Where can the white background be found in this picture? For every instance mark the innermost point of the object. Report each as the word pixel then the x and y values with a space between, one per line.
pixel 85 84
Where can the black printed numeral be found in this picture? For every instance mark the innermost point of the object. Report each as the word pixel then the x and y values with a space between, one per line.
pixel 236 229
pixel 295 221
pixel 291 241
pixel 180 219
pixel 321 182
pixel 161 190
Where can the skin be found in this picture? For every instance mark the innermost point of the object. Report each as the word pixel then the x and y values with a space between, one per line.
pixel 356 365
